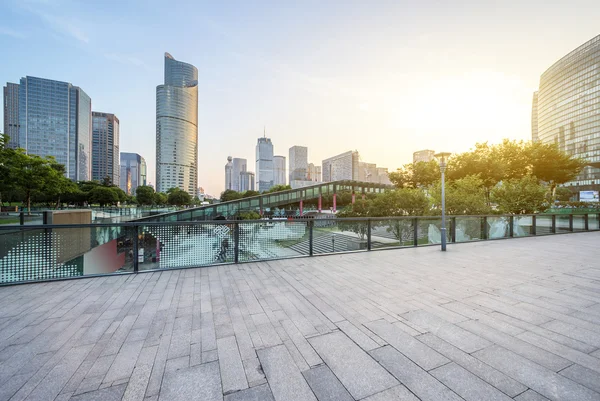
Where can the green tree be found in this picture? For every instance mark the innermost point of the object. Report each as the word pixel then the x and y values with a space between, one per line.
pixel 361 208
pixel 58 185
pixel 178 197
pixel 463 196
pixel 160 198
pixel 278 188
pixel 401 202
pixel 8 167
pixel 229 195
pixel 552 165
pixel 249 215
pixel 103 196
pixel 416 175
pixel 521 196
pixel 145 195
pixel 250 193
pixel 35 174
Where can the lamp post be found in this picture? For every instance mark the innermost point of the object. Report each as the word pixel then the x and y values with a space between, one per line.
pixel 443 160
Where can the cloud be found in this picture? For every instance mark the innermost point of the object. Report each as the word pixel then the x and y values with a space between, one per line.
pixel 12 33
pixel 65 26
pixel 127 59
pixel 59 22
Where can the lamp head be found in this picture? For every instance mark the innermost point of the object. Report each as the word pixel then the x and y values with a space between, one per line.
pixel 443 159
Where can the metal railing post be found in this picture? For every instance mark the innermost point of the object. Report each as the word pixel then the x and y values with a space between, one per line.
pixel 368 234
pixel 553 224
pixel 22 218
pixel 416 231
pixel 453 229
pixel 571 222
pixel 511 226
pixel 484 233
pixel 533 225
pixel 310 237
pixel 136 248
pixel 586 222
pixel 236 242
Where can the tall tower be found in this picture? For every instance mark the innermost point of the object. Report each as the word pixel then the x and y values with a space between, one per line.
pixel 264 164
pixel 11 114
pixel 229 174
pixel 534 118
pixel 177 128
pixel 105 147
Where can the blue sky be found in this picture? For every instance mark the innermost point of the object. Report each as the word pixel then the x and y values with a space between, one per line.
pixel 383 77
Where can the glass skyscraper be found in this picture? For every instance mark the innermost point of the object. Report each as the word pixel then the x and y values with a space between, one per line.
pixel 568 110
pixel 177 128
pixel 264 164
pixel 105 147
pixel 133 172
pixel 11 114
pixel 55 119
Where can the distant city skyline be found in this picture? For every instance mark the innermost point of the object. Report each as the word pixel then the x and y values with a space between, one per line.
pixel 401 78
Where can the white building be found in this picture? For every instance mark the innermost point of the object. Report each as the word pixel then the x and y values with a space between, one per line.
pixel 341 167
pixel 279 176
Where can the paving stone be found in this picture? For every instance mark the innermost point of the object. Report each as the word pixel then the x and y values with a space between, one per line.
pixel 258 393
pixel 107 394
pixel 284 378
pixel 466 384
pixel 421 383
pixel 448 332
pixel 325 385
pixel 357 371
pixel 177 363
pixel 582 375
pixel 398 393
pixel 360 338
pixel 538 378
pixel 492 376
pixel 89 384
pixel 418 352
pixel 124 362
pixel 569 330
pixel 530 395
pixel 254 372
pixel 201 382
pixel 232 370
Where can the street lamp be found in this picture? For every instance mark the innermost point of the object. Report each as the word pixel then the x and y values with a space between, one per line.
pixel 443 159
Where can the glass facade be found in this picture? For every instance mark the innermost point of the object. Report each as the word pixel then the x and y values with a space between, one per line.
pixel 105 147
pixel 534 118
pixel 264 164
pixel 279 176
pixel 568 109
pixel 132 172
pixel 55 119
pixel 11 114
pixel 177 128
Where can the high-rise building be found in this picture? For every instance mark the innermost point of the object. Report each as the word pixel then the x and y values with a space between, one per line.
pixel 105 147
pixel 133 172
pixel 246 181
pixel 383 176
pixel 55 119
pixel 534 117
pixel 341 167
pixel 568 100
pixel 298 163
pixel 264 164
pixel 229 174
pixel 367 172
pixel 177 128
pixel 314 173
pixel 11 114
pixel 233 169
pixel 423 156
pixel 279 177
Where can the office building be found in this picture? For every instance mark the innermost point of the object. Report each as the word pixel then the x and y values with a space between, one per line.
pixel 133 172
pixel 55 119
pixel 534 118
pixel 246 181
pixel 568 101
pixel 177 128
pixel 341 167
pixel 105 147
pixel 383 176
pixel 367 172
pixel 423 156
pixel 11 114
pixel 279 176
pixel 264 164
pixel 298 163
pixel 233 171
pixel 314 173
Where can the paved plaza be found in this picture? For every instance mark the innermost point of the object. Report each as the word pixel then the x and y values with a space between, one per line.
pixel 498 320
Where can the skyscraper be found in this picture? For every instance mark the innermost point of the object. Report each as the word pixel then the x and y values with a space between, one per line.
pixel 105 147
pixel 314 173
pixel 11 114
pixel 341 167
pixel 423 156
pixel 229 174
pixel 534 117
pixel 264 164
pixel 233 172
pixel 177 128
pixel 567 110
pixel 246 181
pixel 55 119
pixel 133 172
pixel 279 170
pixel 298 163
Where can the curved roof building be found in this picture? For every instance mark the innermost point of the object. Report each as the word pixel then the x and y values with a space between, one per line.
pixel 568 109
pixel 177 128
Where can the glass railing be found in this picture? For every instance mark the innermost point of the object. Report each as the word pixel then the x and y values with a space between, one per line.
pixel 31 252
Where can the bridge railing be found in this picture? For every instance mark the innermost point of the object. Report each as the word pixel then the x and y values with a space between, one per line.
pixel 33 253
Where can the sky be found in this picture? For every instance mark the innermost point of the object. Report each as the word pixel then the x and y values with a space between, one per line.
pixel 386 78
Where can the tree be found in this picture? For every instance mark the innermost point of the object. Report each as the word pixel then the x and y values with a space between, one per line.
pixel 145 195
pixel 250 193
pixel 160 198
pixel 278 188
pixel 521 196
pixel 552 165
pixel 229 195
pixel 8 167
pixel 35 174
pixel 416 175
pixel 178 197
pixel 103 196
pixel 361 208
pixel 463 196
pixel 58 185
pixel 249 215
pixel 400 202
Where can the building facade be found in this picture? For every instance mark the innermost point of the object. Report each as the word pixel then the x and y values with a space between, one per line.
pixel 229 174
pixel 233 172
pixel 341 167
pixel 11 114
pixel 55 119
pixel 298 163
pixel 534 118
pixel 279 175
pixel 314 173
pixel 568 104
pixel 264 164
pixel 246 181
pixel 423 156
pixel 105 147
pixel 132 172
pixel 177 128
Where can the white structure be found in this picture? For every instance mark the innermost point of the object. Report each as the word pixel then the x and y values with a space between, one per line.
pixel 298 163
pixel 177 128
pixel 279 170
pixel 314 173
pixel 229 174
pixel 264 164
pixel 246 181
pixel 423 156
pixel 341 167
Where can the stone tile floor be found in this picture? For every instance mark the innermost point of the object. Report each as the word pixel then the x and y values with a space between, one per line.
pixel 516 319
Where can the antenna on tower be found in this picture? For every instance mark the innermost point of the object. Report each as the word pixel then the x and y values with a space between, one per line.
pixel 264 131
